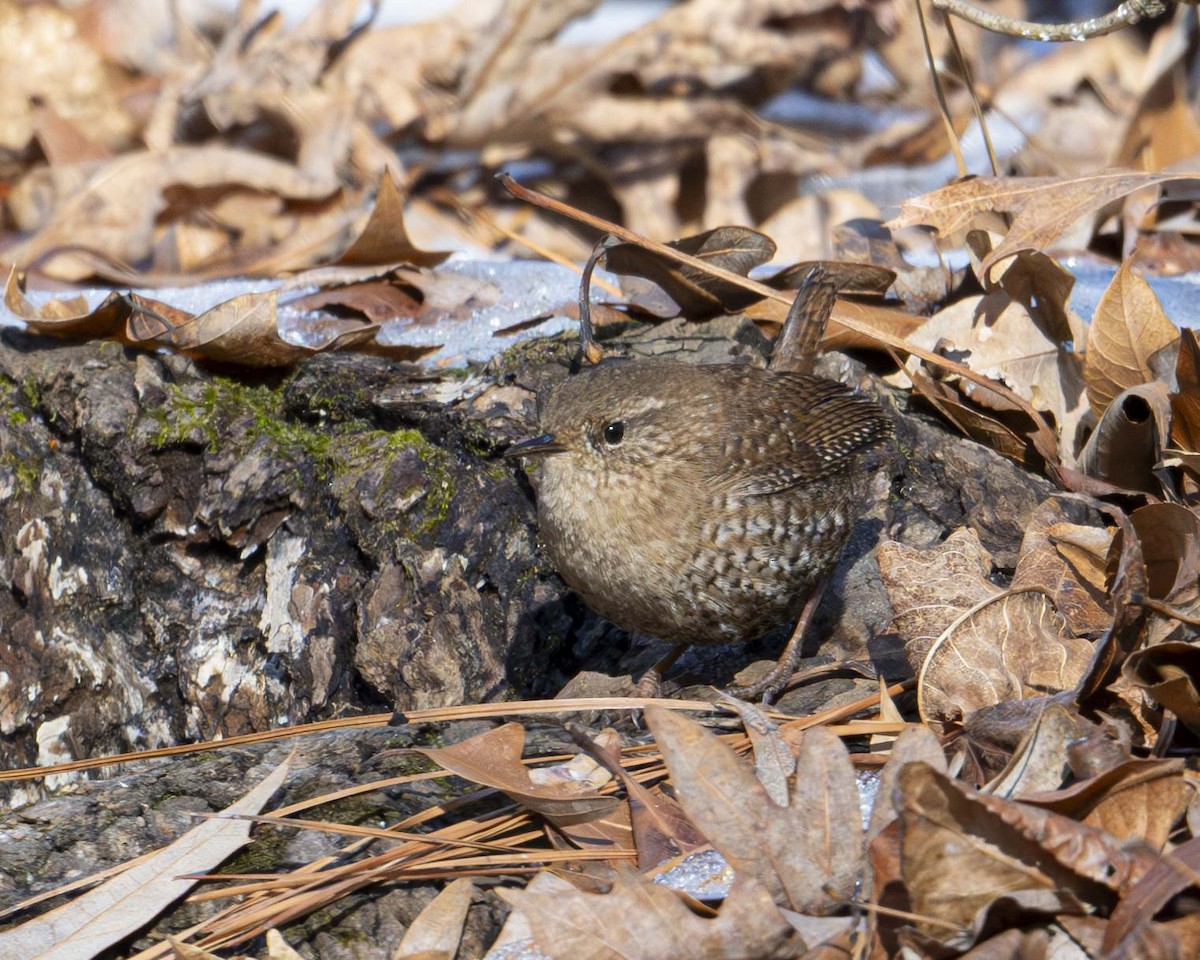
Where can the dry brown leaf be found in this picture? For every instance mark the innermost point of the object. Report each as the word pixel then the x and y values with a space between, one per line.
pixel 62 141
pixel 952 863
pixel 1130 341
pixel 1171 875
pixel 889 320
pixel 1168 939
pixel 1185 401
pixel 917 744
pixel 243 331
pixel 91 923
pixel 1081 800
pixel 650 821
pixel 806 854
pixel 1041 761
pixel 376 300
pixel 1170 537
pixel 114 212
pixel 959 566
pixel 1126 445
pixel 494 760
pixel 846 276
pixel 974 644
pixel 47 59
pixel 1038 283
pixel 963 850
pixel 384 240
pixel 260 63
pixel 68 318
pixel 1168 673
pixel 1010 647
pixel 641 920
pixel 867 240
pixel 1042 208
pixel 1085 549
pixel 502 71
pixel 1143 812
pixel 996 336
pixel 774 763
pixel 980 426
pixel 439 927
pixel 1082 603
pixel 1162 129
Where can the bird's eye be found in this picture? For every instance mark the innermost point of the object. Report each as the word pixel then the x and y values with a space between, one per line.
pixel 614 432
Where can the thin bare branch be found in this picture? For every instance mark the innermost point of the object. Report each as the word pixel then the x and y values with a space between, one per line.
pixel 1125 15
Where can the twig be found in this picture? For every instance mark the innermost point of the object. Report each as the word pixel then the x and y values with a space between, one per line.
pixel 975 104
pixel 1125 15
pixel 943 106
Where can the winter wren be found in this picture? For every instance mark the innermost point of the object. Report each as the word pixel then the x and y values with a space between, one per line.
pixel 700 504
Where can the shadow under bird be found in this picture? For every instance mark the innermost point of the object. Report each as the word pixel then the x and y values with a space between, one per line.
pixel 702 504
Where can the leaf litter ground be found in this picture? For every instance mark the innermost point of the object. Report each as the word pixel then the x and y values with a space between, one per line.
pixel 1036 794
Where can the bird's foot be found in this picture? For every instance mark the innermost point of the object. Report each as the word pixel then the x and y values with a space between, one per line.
pixel 777 678
pixel 766 687
pixel 650 685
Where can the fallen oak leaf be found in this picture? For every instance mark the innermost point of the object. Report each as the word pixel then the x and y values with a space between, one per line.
pixel 1138 801
pixel 996 335
pixel 641 920
pixel 1043 208
pixel 244 331
pixel 807 854
pixel 1083 605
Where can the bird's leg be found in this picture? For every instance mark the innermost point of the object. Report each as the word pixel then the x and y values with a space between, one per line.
pixel 782 672
pixel 650 686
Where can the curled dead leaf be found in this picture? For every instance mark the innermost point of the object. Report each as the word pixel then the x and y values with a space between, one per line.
pixel 1127 443
pixel 494 760
pixel 1130 341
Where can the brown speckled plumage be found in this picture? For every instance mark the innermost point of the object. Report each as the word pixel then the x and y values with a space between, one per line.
pixel 730 492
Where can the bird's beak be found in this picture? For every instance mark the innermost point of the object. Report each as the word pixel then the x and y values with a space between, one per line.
pixel 536 447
